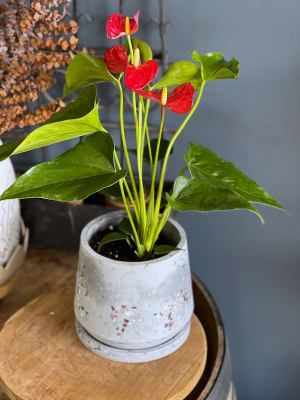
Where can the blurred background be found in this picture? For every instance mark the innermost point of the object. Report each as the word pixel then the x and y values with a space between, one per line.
pixel 252 270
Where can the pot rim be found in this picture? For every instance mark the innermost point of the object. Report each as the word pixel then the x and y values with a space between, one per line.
pixel 84 241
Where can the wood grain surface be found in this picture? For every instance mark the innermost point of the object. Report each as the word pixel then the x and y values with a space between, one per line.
pixel 41 358
pixel 44 270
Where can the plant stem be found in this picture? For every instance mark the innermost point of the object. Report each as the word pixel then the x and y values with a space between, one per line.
pixel 146 131
pixel 145 126
pixel 140 171
pixel 166 213
pixel 154 224
pixel 130 47
pixel 140 248
pixel 126 184
pixel 161 223
pixel 152 194
pixel 125 145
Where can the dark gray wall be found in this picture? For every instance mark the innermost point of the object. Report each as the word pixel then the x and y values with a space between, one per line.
pixel 252 270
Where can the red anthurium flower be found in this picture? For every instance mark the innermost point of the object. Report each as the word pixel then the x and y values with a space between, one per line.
pixel 117 26
pixel 180 100
pixel 116 59
pixel 139 77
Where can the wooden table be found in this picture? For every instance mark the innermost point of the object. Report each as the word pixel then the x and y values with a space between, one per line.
pixel 46 270
pixel 30 367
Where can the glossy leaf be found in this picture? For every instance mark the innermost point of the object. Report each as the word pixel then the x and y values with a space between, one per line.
pixel 179 73
pixel 193 194
pixel 74 175
pixel 85 70
pixel 214 66
pixel 145 49
pixel 78 118
pixel 112 237
pixel 205 165
pixel 164 249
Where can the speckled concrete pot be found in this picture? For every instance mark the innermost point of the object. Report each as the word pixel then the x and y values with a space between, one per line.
pixel 133 311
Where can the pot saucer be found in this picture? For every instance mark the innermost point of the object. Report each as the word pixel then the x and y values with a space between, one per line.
pixel 132 356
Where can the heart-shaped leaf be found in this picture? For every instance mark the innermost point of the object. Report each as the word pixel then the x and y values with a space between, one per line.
pixel 78 118
pixel 179 73
pixel 145 49
pixel 74 175
pixel 112 237
pixel 193 194
pixel 164 249
pixel 214 66
pixel 216 184
pixel 205 165
pixel 85 70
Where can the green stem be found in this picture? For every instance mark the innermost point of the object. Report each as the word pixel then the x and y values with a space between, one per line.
pixel 161 224
pixel 154 224
pixel 126 185
pixel 140 248
pixel 165 214
pixel 135 119
pixel 125 145
pixel 146 132
pixel 152 194
pixel 145 126
pixel 140 171
pixel 130 47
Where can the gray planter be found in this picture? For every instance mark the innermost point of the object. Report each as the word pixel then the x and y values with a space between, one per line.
pixel 10 227
pixel 133 312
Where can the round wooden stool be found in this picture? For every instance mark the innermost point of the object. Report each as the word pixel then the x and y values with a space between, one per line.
pixel 42 358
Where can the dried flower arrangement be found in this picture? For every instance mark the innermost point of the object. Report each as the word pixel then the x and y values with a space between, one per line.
pixel 34 42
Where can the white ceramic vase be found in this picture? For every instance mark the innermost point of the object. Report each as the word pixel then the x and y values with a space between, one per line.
pixel 10 225
pixel 133 311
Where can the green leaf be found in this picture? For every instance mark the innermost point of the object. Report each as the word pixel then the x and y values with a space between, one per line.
pixel 112 237
pixel 78 118
pixel 193 194
pixel 164 249
pixel 205 165
pixel 162 149
pixel 74 175
pixel 145 49
pixel 179 73
pixel 125 226
pixel 214 66
pixel 85 70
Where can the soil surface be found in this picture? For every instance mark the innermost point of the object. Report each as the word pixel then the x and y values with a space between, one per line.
pixel 120 249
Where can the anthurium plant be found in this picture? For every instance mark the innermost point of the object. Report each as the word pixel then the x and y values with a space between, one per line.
pixel 93 164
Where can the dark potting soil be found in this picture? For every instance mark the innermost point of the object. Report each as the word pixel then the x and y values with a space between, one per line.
pixel 120 249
